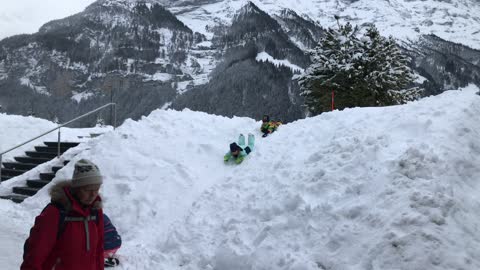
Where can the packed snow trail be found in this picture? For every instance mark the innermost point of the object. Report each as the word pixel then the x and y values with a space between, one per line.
pixel 365 188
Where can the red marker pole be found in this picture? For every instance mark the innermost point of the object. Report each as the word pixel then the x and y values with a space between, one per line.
pixel 333 100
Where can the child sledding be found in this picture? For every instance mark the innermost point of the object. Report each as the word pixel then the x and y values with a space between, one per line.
pixel 268 126
pixel 238 151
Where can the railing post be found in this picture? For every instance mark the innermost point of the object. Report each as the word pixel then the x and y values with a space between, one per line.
pixel 0 168
pixel 58 145
pixel 115 116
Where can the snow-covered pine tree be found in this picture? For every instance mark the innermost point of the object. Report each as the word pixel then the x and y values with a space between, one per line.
pixel 100 122
pixel 333 62
pixel 365 71
pixel 386 70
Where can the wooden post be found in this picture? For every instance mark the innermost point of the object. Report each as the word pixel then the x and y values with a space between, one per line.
pixel 333 100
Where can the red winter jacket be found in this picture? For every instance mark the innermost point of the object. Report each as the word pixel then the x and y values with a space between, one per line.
pixel 71 251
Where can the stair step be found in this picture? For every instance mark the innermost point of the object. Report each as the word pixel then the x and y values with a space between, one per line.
pixel 47 176
pixel 6 177
pixel 50 149
pixel 93 135
pixel 41 154
pixel 37 183
pixel 29 191
pixel 62 144
pixel 18 165
pixel 14 197
pixel 13 172
pixel 55 169
pixel 32 160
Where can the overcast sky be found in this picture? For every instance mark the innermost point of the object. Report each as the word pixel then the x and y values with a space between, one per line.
pixel 26 16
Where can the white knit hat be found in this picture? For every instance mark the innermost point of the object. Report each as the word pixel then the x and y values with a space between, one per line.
pixel 86 173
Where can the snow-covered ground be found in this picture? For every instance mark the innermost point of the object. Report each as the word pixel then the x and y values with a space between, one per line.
pixel 365 188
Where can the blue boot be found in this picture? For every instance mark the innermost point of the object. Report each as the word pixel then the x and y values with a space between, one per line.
pixel 241 141
pixel 251 141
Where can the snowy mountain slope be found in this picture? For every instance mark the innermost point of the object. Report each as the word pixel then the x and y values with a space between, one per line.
pixel 112 46
pixel 371 188
pixel 452 20
pixel 455 21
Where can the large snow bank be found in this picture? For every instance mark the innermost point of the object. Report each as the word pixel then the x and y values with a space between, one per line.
pixel 371 188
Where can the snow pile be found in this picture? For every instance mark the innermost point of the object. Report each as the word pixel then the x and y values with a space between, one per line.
pixel 374 188
pixel 370 188
pixel 265 57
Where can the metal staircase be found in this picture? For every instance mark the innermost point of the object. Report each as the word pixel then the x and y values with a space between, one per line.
pixel 32 159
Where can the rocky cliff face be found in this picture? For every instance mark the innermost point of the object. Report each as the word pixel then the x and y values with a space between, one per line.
pixel 444 64
pixel 113 50
pixel 244 84
pixel 239 60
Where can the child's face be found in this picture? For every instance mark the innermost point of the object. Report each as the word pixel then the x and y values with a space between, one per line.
pixel 86 195
pixel 235 153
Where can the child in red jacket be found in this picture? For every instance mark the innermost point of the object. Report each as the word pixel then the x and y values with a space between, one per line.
pixel 68 234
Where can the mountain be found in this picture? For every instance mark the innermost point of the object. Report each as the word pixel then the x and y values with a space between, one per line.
pixel 447 65
pixel 228 57
pixel 122 51
pixel 454 21
pixel 244 85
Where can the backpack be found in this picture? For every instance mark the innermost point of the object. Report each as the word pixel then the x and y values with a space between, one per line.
pixel 111 238
pixel 64 218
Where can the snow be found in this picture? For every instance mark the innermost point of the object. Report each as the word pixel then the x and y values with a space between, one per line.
pixel 78 97
pixel 364 188
pixel 39 89
pixel 456 21
pixel 25 128
pixel 299 43
pixel 166 36
pixel 159 76
pixel 203 44
pixel 3 73
pixel 265 57
pixel 199 64
pixel 419 78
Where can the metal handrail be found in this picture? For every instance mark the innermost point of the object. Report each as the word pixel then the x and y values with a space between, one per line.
pixel 60 126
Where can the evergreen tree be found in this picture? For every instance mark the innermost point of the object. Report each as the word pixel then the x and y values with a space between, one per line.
pixel 365 71
pixel 385 68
